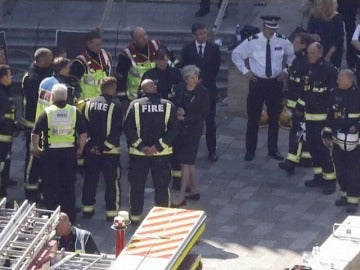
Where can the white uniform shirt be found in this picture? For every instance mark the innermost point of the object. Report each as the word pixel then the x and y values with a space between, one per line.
pixel 356 33
pixel 254 49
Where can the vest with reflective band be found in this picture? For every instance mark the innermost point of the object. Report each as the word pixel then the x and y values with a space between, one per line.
pixel 61 125
pixel 94 73
pixel 82 237
pixel 167 149
pixel 140 63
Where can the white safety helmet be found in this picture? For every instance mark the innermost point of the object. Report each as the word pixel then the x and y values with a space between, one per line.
pixel 347 142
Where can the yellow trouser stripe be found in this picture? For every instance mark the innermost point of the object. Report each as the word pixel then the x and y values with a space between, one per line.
pixel 315 117
pixel 6 138
pixel 354 200
pixel 292 158
pixel 317 170
pixel 291 103
pixel 88 208
pixel 329 176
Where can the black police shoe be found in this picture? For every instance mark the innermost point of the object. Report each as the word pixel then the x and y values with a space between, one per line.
pixel 287 166
pixel 329 188
pixel 249 157
pixel 351 208
pixel 342 201
pixel 316 182
pixel 276 155
pixel 202 12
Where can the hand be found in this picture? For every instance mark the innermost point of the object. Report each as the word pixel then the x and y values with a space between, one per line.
pixel 79 152
pixel 282 76
pixel 251 76
pixel 316 37
pixel 95 150
pixel 152 151
pixel 328 142
pixel 145 150
pixel 37 152
pixel 353 130
pixel 180 114
pixel 327 58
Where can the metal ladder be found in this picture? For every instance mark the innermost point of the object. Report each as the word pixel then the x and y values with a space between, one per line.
pixel 23 233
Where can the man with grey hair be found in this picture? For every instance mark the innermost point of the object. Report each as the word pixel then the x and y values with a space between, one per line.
pixel 39 70
pixel 63 132
pixel 150 128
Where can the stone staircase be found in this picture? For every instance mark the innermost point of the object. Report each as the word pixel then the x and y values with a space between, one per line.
pixel 22 42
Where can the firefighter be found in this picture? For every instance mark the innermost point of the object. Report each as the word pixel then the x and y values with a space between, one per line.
pixel 341 132
pixel 39 70
pixel 92 65
pixel 134 61
pixel 313 100
pixel 63 134
pixel 297 71
pixel 73 239
pixel 150 128
pixel 7 122
pixel 103 116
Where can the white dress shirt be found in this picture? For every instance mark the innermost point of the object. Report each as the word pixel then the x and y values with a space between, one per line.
pixel 203 47
pixel 254 49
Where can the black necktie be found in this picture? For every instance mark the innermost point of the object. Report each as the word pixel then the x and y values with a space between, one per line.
pixel 200 51
pixel 268 71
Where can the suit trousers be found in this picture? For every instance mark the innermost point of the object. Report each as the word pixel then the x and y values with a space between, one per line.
pixel 268 91
pixel 160 169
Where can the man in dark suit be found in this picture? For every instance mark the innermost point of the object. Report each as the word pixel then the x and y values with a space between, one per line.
pixel 206 56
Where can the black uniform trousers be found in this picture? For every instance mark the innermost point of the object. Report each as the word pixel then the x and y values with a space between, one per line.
pixel 347 166
pixel 320 154
pixel 109 166
pixel 58 184
pixel 210 121
pixel 270 92
pixel 160 169
pixel 33 171
pixel 5 148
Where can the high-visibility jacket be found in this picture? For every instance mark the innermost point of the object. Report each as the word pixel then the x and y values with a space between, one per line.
pixel 94 72
pixel 82 236
pixel 140 63
pixel 61 125
pixel 151 121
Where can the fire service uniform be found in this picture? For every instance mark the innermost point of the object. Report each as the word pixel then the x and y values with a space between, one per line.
pixel 7 129
pixel 103 116
pixel 344 113
pixel 150 121
pixel 320 80
pixel 30 86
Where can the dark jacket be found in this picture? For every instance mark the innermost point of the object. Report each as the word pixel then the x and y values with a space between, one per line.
pixel 7 111
pixel 195 104
pixel 99 122
pixel 319 81
pixel 153 127
pixel 30 87
pixel 164 79
pixel 209 65
pixel 343 112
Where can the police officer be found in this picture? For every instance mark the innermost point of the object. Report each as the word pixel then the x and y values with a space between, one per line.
pixel 40 69
pixel 342 130
pixel 7 123
pixel 73 239
pixel 150 128
pixel 320 80
pixel 102 151
pixel 265 52
pixel 296 78
pixel 134 61
pixel 92 65
pixel 63 134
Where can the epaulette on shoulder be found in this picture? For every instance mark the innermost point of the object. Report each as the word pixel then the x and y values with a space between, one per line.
pixel 281 36
pixel 253 37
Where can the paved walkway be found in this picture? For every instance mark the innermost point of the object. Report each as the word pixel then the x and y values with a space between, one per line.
pixel 258 218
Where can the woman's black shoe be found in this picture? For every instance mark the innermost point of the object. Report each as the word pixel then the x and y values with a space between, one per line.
pixel 174 205
pixel 194 197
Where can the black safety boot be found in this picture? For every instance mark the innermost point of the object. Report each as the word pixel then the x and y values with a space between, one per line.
pixel 287 166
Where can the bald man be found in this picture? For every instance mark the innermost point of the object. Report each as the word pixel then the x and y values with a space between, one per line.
pixel 150 128
pixel 74 239
pixel 134 61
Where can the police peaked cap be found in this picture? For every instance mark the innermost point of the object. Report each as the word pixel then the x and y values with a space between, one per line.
pixel 271 22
